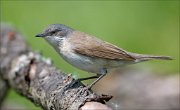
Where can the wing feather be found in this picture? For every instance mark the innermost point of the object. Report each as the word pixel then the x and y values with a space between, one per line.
pixel 93 47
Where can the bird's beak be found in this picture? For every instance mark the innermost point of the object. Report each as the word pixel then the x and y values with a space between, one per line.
pixel 40 35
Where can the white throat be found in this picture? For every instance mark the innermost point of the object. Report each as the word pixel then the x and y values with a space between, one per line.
pixel 55 41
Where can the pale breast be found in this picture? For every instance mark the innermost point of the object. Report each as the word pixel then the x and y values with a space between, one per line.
pixel 89 64
pixel 80 61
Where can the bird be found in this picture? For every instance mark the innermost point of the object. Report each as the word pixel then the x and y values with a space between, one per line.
pixel 90 53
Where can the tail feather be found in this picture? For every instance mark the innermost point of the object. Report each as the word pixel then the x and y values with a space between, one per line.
pixel 142 57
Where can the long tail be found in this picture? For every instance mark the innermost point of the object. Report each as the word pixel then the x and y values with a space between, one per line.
pixel 142 57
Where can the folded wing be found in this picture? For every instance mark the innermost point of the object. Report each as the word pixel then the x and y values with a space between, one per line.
pixel 93 47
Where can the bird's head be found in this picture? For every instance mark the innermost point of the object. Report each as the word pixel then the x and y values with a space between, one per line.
pixel 55 33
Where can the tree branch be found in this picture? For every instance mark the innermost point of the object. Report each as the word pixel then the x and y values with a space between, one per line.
pixel 3 88
pixel 34 77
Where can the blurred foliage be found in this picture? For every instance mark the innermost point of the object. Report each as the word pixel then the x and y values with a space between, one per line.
pixel 16 102
pixel 150 27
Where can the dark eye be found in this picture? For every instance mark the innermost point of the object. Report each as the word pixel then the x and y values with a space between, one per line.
pixel 53 32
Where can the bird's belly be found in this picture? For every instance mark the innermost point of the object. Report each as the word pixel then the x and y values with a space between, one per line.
pixel 82 62
pixel 89 64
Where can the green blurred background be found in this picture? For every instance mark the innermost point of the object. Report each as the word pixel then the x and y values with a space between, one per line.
pixel 150 27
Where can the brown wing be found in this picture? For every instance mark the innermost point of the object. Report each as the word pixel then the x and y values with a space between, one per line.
pixel 93 47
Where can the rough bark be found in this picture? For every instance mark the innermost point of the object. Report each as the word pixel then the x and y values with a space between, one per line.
pixel 35 77
pixel 3 90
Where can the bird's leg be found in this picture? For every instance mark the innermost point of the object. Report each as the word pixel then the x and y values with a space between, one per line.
pixel 82 79
pixel 91 77
pixel 85 89
pixel 103 73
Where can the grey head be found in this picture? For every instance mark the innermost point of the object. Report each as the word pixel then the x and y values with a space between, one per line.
pixel 55 33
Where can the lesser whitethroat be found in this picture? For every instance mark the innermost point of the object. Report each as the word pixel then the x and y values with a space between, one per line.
pixel 89 53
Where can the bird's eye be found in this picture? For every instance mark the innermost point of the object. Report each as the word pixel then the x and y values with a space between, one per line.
pixel 53 32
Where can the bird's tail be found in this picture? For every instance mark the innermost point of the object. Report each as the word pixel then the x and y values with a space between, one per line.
pixel 142 57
